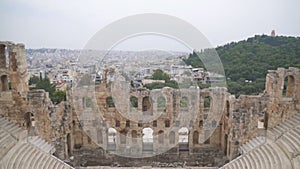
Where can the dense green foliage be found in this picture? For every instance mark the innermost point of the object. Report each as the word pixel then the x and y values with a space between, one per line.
pixel 160 75
pixel 56 96
pixel 250 59
pixel 134 101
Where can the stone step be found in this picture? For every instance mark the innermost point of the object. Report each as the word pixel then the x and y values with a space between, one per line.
pixel 42 161
pixel 235 165
pixel 296 162
pixel 297 131
pixel 9 155
pixel 287 124
pixel 4 123
pixel 17 131
pixel 31 157
pixel 289 142
pixel 1 120
pixel 257 159
pixel 2 135
pixel 251 144
pixel 56 165
pixel 8 126
pixel 284 159
pixel 47 162
pixel 252 161
pixel 20 152
pixel 25 160
pixel 5 136
pixel 264 159
pixel 297 116
pixel 282 128
pixel 295 138
pixel 248 164
pixel 6 144
pixel 293 122
pixel 32 139
pixel 274 133
pixel 242 163
pixel 52 163
pixel 275 156
pixel 285 147
pixel 37 159
pixel 270 157
pixel 39 142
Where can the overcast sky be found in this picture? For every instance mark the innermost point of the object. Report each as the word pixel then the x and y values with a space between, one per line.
pixel 71 23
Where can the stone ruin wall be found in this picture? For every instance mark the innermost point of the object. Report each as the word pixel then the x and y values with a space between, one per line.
pixel 59 124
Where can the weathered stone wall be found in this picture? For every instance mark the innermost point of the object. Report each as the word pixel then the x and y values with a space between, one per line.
pixel 216 121
pixel 282 104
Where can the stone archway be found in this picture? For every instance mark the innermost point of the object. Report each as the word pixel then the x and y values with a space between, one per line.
pixel 4 83
pixel 288 86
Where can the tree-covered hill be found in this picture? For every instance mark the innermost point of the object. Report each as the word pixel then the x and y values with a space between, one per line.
pixel 249 60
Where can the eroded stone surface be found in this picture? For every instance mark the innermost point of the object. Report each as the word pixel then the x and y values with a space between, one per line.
pixel 68 128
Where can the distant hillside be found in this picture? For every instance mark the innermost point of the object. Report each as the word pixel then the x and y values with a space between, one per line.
pixel 250 59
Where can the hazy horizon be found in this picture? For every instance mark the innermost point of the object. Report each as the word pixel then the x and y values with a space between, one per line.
pixel 70 24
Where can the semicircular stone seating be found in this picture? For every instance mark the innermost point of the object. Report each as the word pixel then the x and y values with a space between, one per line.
pixel 279 150
pixel 19 152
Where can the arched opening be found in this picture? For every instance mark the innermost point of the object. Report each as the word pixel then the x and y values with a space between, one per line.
pixel 225 144
pixel 167 123
pixel 207 102
pixel 172 137
pixel 99 137
pixel 123 137
pixel 201 123
pixel 288 86
pixel 78 139
pixel 196 137
pixel 127 123
pixel 4 83
pixel 161 102
pixel 134 136
pixel 110 102
pixel 27 119
pixel 2 57
pixel 110 76
pixel 111 139
pixel 147 139
pixel 227 108
pixel 118 123
pixel 266 120
pixel 83 102
pixel 184 103
pixel 183 141
pixel 146 103
pixel 69 143
pixel 13 63
pixel 88 102
pixel 161 137
pixel 134 101
pixel 154 123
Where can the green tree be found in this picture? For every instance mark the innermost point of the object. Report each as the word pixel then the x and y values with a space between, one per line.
pixel 58 96
pixel 160 75
pixel 251 59
pixel 34 80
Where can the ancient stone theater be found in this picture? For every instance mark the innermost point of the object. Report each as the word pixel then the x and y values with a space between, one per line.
pixel 116 125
